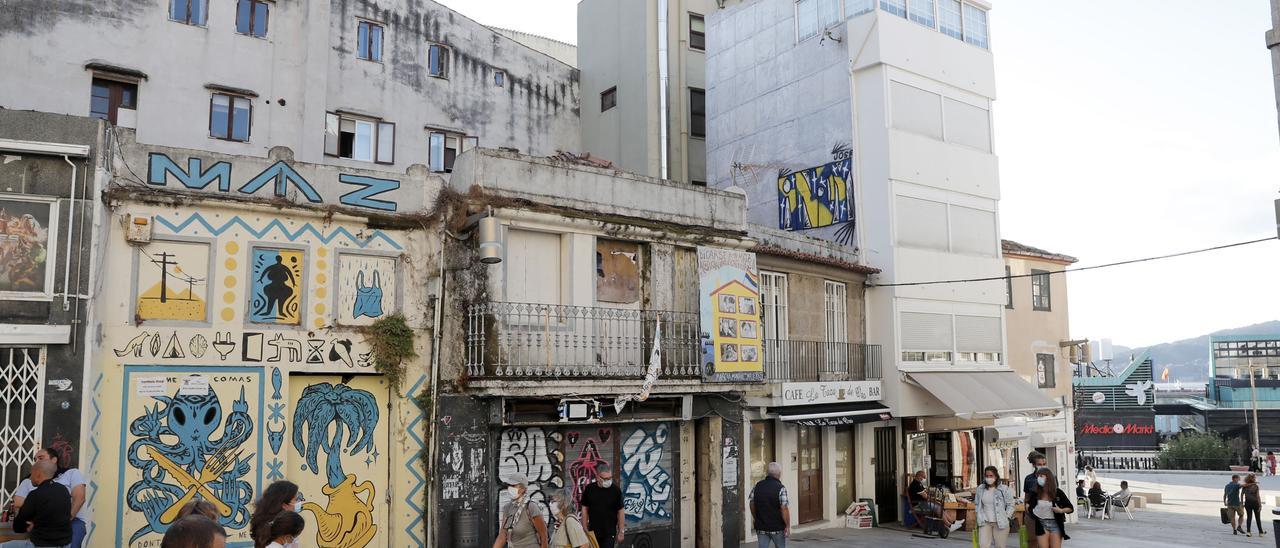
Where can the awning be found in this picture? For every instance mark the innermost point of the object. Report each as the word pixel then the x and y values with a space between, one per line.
pixel 985 393
pixel 834 414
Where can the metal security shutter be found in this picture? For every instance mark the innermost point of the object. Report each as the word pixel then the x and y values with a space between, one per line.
pixel 977 334
pixel 921 331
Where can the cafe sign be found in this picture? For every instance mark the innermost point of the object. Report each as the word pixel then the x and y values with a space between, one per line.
pixel 811 393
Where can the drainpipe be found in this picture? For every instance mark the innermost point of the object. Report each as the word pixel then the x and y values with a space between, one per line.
pixel 433 500
pixel 66 270
pixel 664 137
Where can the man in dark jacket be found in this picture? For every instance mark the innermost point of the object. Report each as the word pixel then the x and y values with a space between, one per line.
pixel 770 509
pixel 47 510
pixel 602 511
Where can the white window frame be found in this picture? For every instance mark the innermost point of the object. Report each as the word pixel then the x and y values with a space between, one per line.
pixel 835 300
pixel 382 149
pixel 773 305
pixel 442 57
pixel 983 42
pixel 435 154
pixel 951 356
pixel 819 24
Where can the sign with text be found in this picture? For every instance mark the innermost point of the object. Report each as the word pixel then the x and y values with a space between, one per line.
pixel 1116 430
pixel 809 393
pixel 729 291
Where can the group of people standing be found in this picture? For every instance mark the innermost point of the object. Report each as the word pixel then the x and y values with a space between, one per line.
pixel 600 522
pixel 275 522
pixel 1243 499
pixel 49 505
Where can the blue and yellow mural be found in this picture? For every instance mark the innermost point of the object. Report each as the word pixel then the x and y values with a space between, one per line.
pixel 277 286
pixel 816 197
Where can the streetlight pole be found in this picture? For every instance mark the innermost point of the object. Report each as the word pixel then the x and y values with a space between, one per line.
pixel 1253 397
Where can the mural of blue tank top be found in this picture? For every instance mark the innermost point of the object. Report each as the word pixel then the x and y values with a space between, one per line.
pixel 368 298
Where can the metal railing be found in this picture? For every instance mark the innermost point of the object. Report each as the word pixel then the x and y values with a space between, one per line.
pixel 811 361
pixel 546 340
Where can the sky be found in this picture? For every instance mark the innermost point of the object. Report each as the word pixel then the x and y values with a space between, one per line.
pixel 1124 129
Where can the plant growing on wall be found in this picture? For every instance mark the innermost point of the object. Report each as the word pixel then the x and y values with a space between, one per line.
pixel 391 340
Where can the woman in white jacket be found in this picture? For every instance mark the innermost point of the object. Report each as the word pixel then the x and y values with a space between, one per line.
pixel 994 507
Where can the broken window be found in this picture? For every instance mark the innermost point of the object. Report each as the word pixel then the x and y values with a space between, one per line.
pixel 251 17
pixel 191 12
pixel 697 113
pixel 363 139
pixel 230 117
pixel 369 41
pixel 617 272
pixel 107 97
pixel 438 61
pixel 697 32
pixel 609 99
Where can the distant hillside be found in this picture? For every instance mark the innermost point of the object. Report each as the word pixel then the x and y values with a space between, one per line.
pixel 1188 359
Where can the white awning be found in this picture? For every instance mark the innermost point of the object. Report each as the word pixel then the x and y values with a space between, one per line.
pixel 973 394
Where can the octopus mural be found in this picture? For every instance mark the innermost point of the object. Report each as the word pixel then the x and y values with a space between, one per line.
pixel 338 420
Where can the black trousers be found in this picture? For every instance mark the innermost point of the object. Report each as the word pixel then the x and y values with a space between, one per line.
pixel 1252 512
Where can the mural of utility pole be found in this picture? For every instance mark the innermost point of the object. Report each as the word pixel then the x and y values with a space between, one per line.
pixel 168 279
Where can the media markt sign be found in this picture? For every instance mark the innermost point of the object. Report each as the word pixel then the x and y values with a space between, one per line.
pixel 810 393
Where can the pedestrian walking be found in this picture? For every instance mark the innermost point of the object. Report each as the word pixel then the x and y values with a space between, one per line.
pixel 1050 507
pixel 1037 461
pixel 770 509
pixel 1235 508
pixel 522 525
pixel 1090 476
pixel 602 512
pixel 993 503
pixel 280 496
pixel 568 532
pixel 1255 461
pixel 285 530
pixel 1252 494
pixel 194 531
pixel 1271 463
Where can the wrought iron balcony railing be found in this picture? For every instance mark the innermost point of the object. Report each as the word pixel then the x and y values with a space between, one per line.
pixel 810 361
pixel 514 340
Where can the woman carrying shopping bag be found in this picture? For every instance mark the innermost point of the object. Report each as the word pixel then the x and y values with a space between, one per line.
pixel 993 504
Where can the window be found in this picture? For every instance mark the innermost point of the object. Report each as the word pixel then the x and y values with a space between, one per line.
pixel 107 97
pixel 896 7
pixel 499 78
pixel 609 99
pixel 1008 287
pixel 363 139
pixel 921 223
pixel 230 117
pixel 921 11
pixel 369 41
pixel 438 61
pixel 858 7
pixel 949 18
pixel 927 336
pixel 1040 290
pixel 916 110
pixel 813 16
pixel 975 25
pixel 533 267
pixel 697 32
pixel 973 231
pixel 697 113
pixel 980 336
pixel 1045 371
pixel 773 300
pixel 835 305
pixel 251 17
pixel 967 124
pixel 762 449
pixel 445 147
pixel 191 12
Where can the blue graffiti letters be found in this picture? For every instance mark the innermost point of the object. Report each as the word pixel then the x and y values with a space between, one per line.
pixel 646 484
pixel 160 167
pixel 370 187
pixel 282 175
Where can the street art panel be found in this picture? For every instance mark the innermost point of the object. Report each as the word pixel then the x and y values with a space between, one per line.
pixel 646 474
pixel 816 197
pixel 588 450
pixel 729 291
pixel 276 281
pixel 367 286
pixel 535 452
pixel 339 459
pixel 173 281
pixel 28 237
pixel 191 432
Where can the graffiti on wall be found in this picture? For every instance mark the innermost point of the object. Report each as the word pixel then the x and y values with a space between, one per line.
pixel 27 235
pixel 647 486
pixel 173 281
pixel 276 348
pixel 188 436
pixel 729 292
pixel 276 285
pixel 819 196
pixel 367 286
pixel 535 453
pixel 589 450
pixel 341 421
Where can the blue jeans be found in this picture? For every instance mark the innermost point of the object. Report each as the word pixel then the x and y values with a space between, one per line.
pixel 778 538
pixel 77 532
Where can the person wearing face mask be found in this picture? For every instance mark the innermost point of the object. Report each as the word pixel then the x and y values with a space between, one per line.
pixel 568 532
pixel 1050 506
pixel 602 514
pixel 993 504
pixel 522 523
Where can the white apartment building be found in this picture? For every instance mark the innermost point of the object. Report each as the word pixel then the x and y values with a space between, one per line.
pixel 869 123
pixel 366 85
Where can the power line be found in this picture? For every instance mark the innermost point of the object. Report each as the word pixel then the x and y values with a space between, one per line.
pixel 1082 268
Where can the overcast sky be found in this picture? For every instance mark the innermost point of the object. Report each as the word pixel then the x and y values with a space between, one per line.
pixel 1124 129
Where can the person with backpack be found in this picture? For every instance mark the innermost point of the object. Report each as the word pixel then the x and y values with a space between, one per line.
pixel 522 524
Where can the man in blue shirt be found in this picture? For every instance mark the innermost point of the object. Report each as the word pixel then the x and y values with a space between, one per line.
pixel 1231 499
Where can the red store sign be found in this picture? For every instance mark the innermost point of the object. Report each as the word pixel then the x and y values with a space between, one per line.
pixel 1116 429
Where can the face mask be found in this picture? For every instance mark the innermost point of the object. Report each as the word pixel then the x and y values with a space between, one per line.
pixel 990 481
pixel 606 483
pixel 514 492
pixel 1040 481
pixel 555 508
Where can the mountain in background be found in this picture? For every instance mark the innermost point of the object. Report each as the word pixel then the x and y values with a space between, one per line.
pixel 1188 359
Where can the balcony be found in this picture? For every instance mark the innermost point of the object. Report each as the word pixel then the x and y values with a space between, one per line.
pixel 526 340
pixel 813 361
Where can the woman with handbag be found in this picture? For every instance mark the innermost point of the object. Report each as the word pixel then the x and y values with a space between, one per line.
pixel 993 504
pixel 568 532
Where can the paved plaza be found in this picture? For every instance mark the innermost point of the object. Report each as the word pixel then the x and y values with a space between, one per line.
pixel 1188 517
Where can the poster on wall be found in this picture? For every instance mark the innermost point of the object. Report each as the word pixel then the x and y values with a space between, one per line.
pixel 367 286
pixel 28 237
pixel 180 445
pixel 172 281
pixel 729 295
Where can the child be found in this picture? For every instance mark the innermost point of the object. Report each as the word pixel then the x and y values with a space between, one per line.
pixel 285 529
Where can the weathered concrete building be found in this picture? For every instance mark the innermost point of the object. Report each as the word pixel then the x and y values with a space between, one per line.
pixel 366 85
pixel 250 325
pixel 51 166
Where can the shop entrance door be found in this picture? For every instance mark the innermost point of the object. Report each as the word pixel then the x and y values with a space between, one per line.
pixel 809 444
pixel 940 470
pixel 886 474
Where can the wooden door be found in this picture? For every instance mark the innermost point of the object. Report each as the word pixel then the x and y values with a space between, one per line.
pixel 809 497
pixel 886 474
